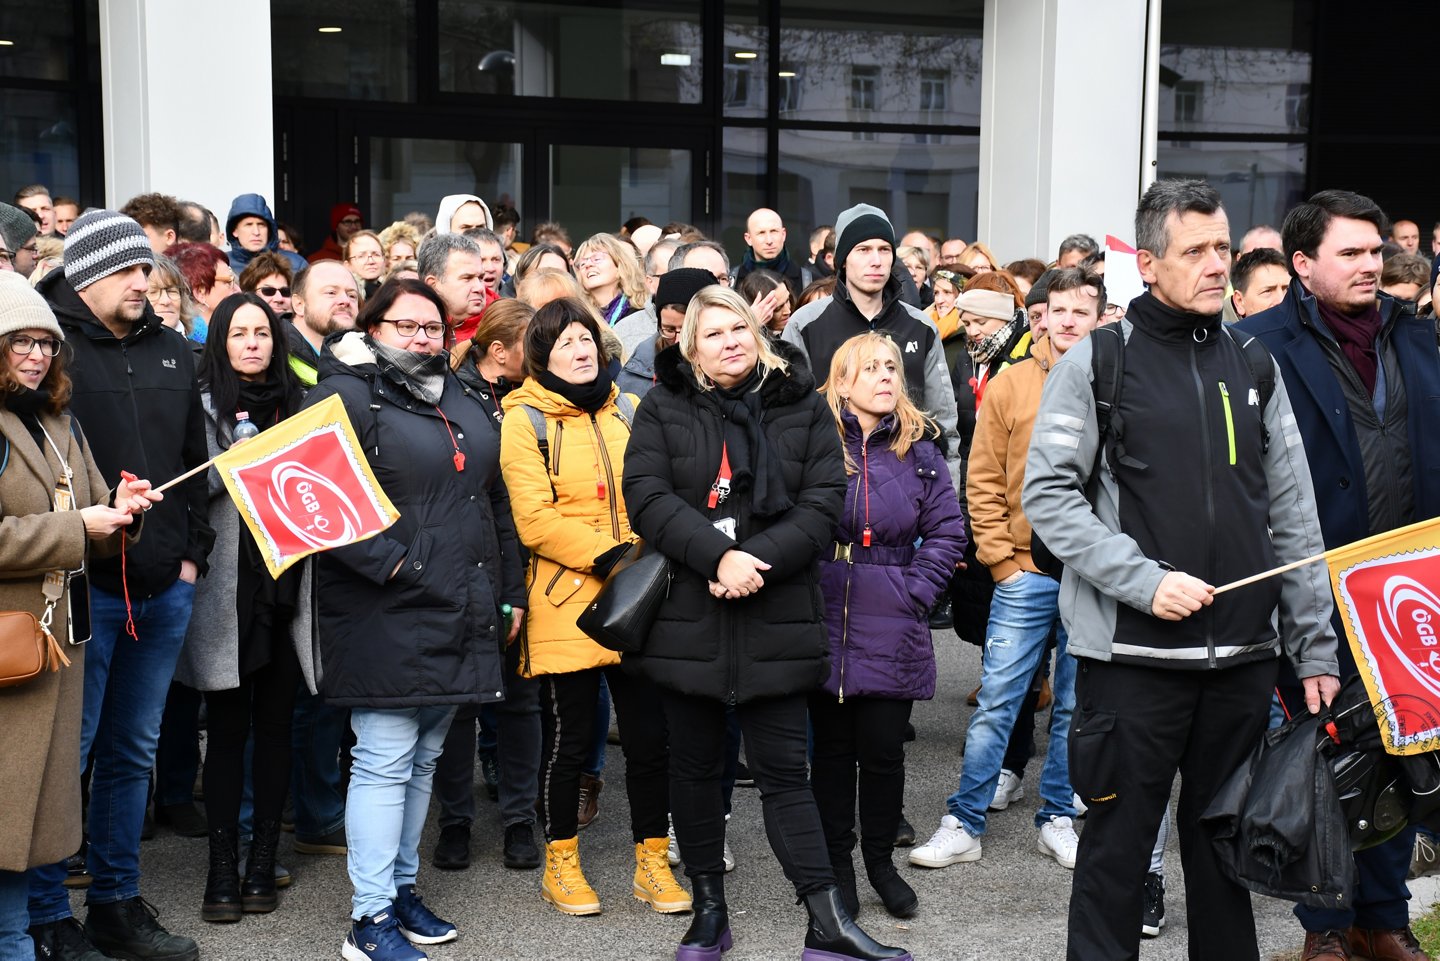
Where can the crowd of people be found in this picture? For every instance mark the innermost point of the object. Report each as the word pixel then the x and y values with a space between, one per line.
pixel 839 452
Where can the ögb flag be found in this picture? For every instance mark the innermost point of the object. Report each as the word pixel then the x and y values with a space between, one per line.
pixel 1387 588
pixel 304 486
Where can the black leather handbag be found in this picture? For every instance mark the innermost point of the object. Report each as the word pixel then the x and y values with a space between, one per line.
pixel 621 615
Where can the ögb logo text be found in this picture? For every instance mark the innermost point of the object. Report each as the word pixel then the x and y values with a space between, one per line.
pixel 315 510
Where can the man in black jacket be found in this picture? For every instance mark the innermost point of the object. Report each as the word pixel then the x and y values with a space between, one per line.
pixel 136 398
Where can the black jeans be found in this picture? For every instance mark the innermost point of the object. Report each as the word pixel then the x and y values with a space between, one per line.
pixel 867 733
pixel 265 701
pixel 775 734
pixel 1134 727
pixel 567 722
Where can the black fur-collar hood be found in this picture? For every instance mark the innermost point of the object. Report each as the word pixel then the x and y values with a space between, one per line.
pixel 675 372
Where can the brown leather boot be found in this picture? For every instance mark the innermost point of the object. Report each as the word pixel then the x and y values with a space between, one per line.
pixel 1377 945
pixel 590 787
pixel 1326 946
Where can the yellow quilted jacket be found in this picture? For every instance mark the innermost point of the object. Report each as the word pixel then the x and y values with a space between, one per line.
pixel 567 512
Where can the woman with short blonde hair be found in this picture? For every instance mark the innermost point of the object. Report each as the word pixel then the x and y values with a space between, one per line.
pixel 614 279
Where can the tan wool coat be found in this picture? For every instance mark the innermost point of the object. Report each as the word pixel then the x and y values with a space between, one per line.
pixel 40 719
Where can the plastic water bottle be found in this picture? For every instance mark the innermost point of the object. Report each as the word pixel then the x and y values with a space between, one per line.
pixel 244 427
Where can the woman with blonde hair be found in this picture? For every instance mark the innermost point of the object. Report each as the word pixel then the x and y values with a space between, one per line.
pixel 979 257
pixel 734 471
pixel 878 588
pixel 400 241
pixel 364 255
pixel 614 280
pixel 544 286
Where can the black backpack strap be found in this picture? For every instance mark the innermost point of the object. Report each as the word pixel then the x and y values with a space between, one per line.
pixel 542 440
pixel 1107 365
pixel 1262 375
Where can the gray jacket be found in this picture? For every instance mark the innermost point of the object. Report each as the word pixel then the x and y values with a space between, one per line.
pixel 633 329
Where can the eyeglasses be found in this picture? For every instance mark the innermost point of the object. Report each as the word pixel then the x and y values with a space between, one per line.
pixel 352 222
pixel 266 291
pixel 409 328
pixel 226 281
pixel 368 255
pixel 23 344
pixel 6 257
pixel 156 294
pixel 31 249
pixel 595 258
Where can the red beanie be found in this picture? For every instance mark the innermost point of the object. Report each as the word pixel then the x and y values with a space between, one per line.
pixel 340 211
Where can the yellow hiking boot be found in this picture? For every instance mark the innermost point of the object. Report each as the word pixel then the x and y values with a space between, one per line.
pixel 563 883
pixel 654 884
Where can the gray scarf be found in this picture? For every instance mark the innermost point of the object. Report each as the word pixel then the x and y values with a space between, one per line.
pixel 985 351
pixel 420 375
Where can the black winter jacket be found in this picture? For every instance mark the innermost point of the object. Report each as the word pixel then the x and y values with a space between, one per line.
pixel 433 634
pixel 773 642
pixel 139 405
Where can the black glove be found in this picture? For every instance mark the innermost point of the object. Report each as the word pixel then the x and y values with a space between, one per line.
pixel 606 562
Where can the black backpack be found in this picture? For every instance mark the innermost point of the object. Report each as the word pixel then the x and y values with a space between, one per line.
pixel 1107 365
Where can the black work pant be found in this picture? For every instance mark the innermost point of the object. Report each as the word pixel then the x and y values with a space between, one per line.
pixel 774 729
pixel 264 701
pixel 1134 727
pixel 567 722
pixel 859 742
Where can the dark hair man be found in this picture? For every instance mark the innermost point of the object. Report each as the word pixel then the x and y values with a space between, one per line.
pixel 1074 249
pixel 36 198
pixel 136 394
pixel 1260 280
pixel 1366 386
pixel 1165 680
pixel 1404 276
pixel 158 215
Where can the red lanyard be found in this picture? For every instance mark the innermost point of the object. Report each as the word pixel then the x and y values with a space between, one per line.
pixel 459 458
pixel 721 488
pixel 865 481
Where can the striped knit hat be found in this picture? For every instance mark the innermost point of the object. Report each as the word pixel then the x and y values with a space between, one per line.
pixel 101 242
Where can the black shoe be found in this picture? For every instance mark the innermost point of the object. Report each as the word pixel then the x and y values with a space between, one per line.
pixel 221 902
pixel 147 826
pixel 844 868
pixel 128 929
pixel 490 774
pixel 520 850
pixel 898 896
pixel 942 616
pixel 77 874
pixel 452 850
pixel 709 931
pixel 257 891
pixel 909 734
pixel 1153 917
pixel 184 819
pixel 332 843
pixel 287 816
pixel 743 777
pixel 834 934
pixel 904 833
pixel 63 940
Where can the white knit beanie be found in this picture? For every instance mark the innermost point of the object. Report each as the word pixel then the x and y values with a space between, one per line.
pixel 22 307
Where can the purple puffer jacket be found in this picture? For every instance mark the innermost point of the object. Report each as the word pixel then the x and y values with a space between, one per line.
pixel 877 605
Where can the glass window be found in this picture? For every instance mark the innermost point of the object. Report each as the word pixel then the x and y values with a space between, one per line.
pixel 37 43
pixel 932 187
pixel 747 51
pixel 343 49
pixel 909 64
pixel 1259 182
pixel 742 186
pixel 596 189
pixel 409 174
pixel 625 50
pixel 1222 80
pixel 38 142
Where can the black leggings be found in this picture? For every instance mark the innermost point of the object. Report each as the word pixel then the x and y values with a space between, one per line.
pixel 867 733
pixel 774 731
pixel 567 722
pixel 265 701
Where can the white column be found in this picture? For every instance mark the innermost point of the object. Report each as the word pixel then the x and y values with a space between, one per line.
pixel 1062 100
pixel 186 97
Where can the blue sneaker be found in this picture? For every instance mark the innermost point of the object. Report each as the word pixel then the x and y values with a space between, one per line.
pixel 417 922
pixel 378 938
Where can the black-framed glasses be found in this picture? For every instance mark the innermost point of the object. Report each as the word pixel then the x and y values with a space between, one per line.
pixel 6 257
pixel 267 291
pixel 23 344
pixel 409 328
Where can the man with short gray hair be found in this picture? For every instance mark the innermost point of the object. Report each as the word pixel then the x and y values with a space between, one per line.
pixel 454 265
pixel 705 254
pixel 1074 249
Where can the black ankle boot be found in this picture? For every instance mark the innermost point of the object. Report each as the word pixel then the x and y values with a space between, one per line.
pixel 709 932
pixel 898 896
pixel 833 935
pixel 221 903
pixel 129 929
pixel 844 868
pixel 257 892
pixel 63 940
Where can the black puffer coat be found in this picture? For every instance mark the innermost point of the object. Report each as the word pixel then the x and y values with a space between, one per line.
pixel 773 642
pixel 433 634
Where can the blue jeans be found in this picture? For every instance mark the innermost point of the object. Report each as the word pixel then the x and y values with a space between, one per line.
pixel 394 763
pixel 126 681
pixel 15 944
pixel 595 762
pixel 1021 616
pixel 315 771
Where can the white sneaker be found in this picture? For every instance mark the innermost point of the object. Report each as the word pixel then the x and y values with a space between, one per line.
pixel 1080 806
pixel 950 844
pixel 1008 790
pixel 1059 841
pixel 673 855
pixel 729 858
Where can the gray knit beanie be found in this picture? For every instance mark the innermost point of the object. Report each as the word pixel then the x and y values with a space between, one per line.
pixel 860 222
pixel 102 242
pixel 22 307
pixel 16 227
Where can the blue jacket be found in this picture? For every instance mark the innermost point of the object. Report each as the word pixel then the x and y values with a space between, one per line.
pixel 254 205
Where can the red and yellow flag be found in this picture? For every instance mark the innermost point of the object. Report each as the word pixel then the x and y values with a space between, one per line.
pixel 304 486
pixel 1387 588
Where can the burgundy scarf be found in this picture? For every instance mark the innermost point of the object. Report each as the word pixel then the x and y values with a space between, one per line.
pixel 1356 335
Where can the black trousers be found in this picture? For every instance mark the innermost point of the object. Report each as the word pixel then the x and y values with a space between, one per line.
pixel 567 722
pixel 264 701
pixel 859 743
pixel 1134 727
pixel 775 743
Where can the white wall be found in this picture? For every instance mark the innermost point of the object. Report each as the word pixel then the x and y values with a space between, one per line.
pixel 1060 122
pixel 186 96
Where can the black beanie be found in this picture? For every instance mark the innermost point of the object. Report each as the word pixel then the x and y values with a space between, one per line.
pixel 678 286
pixel 1040 290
